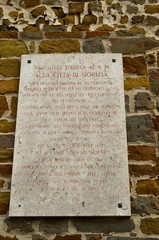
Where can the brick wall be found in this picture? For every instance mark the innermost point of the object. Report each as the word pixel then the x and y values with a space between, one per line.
pixel 130 27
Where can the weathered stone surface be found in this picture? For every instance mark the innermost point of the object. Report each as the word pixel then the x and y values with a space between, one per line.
pixel 5 170
pixel 36 12
pixel 145 205
pixel 38 237
pixel 6 141
pixel 89 19
pixel 154 80
pixel 143 101
pixel 10 48
pixel 51 226
pixel 131 83
pixel 80 27
pixel 3 105
pixel 138 19
pixel 14 103
pixel 31 35
pixel 135 65
pixel 68 237
pixel 150 43
pixel 147 187
pixel 152 21
pixel 127 103
pixel 139 128
pixel 58 28
pixel 76 8
pixel 22 224
pixel 9 67
pixel 29 3
pixel 59 46
pixel 93 46
pixel 126 46
pixel 94 6
pixel 105 27
pixel 151 9
pixel 124 19
pixel 4 202
pixel 156 122
pixel 141 170
pixel 131 9
pixel 6 126
pixel 9 86
pixel 103 225
pixel 133 31
pixel 141 153
pixel 150 226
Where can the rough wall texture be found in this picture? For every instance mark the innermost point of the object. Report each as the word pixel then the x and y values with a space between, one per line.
pixel 130 27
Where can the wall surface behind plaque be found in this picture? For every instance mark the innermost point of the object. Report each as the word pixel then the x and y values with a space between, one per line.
pixel 130 27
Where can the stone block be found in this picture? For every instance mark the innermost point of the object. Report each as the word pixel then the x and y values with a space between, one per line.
pixel 59 46
pixel 51 226
pixel 14 102
pixel 38 11
pixel 22 224
pixel 6 155
pixel 76 8
pixel 96 225
pixel 31 35
pixel 3 105
pixel 10 48
pixel 5 170
pixel 150 226
pixel 93 46
pixel 145 205
pixel 154 80
pixel 131 9
pixel 147 187
pixel 93 236
pixel 6 141
pixel 9 86
pixel 10 67
pixel 8 238
pixel 156 122
pixel 89 19
pixel 140 128
pixel 135 65
pixel 6 126
pixel 131 83
pixel 29 3
pixel 4 202
pixel 127 46
pixel 130 238
pixel 127 103
pixel 141 170
pixel 152 21
pixel 138 19
pixel 151 9
pixel 141 153
pixel 38 237
pixel 143 101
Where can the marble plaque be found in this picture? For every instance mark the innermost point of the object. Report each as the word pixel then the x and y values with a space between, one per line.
pixel 70 156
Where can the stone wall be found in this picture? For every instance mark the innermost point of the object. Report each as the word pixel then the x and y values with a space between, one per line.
pixel 130 27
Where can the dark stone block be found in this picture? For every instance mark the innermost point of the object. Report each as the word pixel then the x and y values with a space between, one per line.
pixel 38 237
pixel 51 226
pixel 127 103
pixel 145 205
pixel 137 19
pixel 103 225
pixel 23 224
pixel 126 46
pixel 7 141
pixel 143 101
pixel 154 80
pixel 93 46
pixel 139 128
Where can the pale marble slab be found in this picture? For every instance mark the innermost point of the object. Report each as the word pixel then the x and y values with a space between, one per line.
pixel 70 155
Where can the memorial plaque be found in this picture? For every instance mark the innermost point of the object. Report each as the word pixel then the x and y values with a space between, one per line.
pixel 70 156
